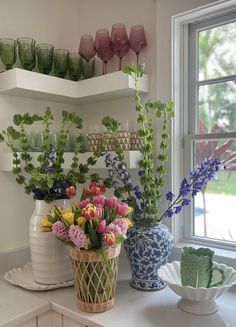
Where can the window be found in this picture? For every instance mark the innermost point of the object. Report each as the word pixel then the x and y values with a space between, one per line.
pixel 204 92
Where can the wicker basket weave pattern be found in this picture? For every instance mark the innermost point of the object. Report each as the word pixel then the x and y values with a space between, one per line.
pixel 95 284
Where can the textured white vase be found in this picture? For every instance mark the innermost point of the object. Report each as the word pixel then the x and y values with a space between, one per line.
pixel 50 257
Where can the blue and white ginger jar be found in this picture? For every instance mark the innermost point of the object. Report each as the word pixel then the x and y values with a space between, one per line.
pixel 148 248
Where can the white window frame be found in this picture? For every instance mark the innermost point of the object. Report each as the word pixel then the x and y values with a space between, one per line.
pixel 180 66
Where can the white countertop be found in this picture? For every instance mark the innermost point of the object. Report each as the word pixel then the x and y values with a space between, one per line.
pixel 133 308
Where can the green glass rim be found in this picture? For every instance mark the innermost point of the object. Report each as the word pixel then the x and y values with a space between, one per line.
pixel 44 45
pixel 7 39
pixel 25 38
pixel 61 51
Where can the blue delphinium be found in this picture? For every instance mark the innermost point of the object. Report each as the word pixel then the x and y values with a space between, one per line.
pixel 198 180
pixel 121 178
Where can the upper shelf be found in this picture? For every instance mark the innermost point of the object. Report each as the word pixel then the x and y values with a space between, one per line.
pixel 132 159
pixel 29 84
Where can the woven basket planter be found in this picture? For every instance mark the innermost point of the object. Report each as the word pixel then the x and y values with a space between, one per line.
pixel 95 284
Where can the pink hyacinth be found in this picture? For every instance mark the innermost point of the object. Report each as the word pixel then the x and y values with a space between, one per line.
pixel 83 203
pixel 60 230
pixel 115 229
pixel 121 208
pixel 122 224
pixel 77 236
pixel 99 200
pixel 111 202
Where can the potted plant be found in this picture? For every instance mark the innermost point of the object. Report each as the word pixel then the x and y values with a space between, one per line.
pixel 94 228
pixel 49 183
pixel 149 242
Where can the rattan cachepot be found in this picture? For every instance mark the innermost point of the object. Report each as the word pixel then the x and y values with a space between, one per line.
pixel 95 282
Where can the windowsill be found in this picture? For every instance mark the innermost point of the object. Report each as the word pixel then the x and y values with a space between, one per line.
pixel 227 257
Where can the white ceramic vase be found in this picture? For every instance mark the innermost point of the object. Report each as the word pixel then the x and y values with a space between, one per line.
pixel 50 257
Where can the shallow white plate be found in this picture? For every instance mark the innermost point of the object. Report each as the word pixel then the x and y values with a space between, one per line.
pixel 23 277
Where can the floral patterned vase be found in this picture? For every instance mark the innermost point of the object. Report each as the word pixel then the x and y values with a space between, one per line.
pixel 147 249
pixel 50 257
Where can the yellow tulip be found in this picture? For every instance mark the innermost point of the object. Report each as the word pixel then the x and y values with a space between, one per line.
pixel 45 225
pixel 68 216
pixel 129 222
pixel 81 222
pixel 129 211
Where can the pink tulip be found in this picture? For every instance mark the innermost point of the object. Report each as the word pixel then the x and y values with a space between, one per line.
pixel 83 203
pixel 109 238
pixel 121 208
pixel 89 212
pixel 101 226
pixel 111 202
pixel 99 200
pixel 99 212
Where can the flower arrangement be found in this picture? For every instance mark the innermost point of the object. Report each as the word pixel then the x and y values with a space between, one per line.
pixel 95 223
pixel 145 197
pixel 47 180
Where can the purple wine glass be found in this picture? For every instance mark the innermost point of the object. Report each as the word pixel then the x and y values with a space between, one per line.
pixel 137 40
pixel 103 47
pixel 120 42
pixel 86 47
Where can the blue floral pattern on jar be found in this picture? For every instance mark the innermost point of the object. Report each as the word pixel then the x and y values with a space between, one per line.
pixel 148 248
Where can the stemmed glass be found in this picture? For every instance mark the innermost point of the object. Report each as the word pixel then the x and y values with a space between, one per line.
pixel 103 47
pixel 137 40
pixel 87 52
pixel 120 42
pixel 8 52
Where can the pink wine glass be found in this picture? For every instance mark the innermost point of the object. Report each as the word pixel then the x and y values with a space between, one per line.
pixel 120 42
pixel 103 47
pixel 137 40
pixel 87 48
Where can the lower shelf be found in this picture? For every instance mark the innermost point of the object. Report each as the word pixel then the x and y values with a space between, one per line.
pixel 132 159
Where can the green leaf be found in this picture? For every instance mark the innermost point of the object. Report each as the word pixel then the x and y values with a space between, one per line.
pixel 120 239
pixel 1 138
pixel 111 124
pixel 78 122
pixel 17 119
pixel 94 237
pixel 37 118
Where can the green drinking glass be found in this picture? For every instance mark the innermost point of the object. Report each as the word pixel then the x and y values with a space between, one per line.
pixel 44 53
pixel 88 68
pixel 8 52
pixel 27 52
pixel 74 66
pixel 61 62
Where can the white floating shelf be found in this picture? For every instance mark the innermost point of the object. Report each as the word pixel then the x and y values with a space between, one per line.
pixel 29 84
pixel 132 159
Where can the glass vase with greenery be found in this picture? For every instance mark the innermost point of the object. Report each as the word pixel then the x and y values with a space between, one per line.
pixel 45 178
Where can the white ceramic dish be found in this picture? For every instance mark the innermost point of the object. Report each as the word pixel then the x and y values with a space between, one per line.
pixel 196 300
pixel 23 277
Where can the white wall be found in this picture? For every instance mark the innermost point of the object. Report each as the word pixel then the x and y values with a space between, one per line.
pixel 53 21
pixel 62 22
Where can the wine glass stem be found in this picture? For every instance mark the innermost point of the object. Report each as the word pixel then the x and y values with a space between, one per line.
pixel 120 63
pixel 137 54
pixel 105 68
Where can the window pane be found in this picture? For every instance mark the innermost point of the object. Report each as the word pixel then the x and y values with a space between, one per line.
pixel 217 48
pixel 215 207
pixel 217 107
